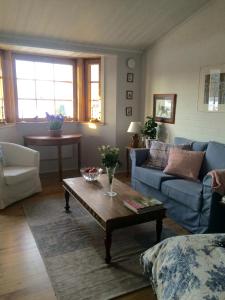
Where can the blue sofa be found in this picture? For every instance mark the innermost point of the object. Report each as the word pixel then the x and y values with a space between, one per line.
pixel 193 205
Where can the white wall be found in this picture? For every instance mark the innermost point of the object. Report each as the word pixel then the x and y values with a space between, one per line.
pixel 173 66
pixel 112 133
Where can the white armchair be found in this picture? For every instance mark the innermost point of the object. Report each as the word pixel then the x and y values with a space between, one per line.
pixel 19 173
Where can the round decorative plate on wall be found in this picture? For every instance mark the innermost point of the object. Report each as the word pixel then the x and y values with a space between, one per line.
pixel 131 63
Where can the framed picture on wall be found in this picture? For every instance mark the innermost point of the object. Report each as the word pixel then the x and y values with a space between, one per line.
pixel 211 96
pixel 130 77
pixel 128 111
pixel 164 107
pixel 129 95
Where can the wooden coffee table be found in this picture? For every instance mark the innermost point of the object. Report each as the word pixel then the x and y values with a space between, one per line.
pixel 109 212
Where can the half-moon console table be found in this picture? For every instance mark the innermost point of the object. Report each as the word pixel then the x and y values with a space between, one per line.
pixel 59 142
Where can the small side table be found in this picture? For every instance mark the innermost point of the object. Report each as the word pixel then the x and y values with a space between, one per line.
pixel 58 142
pixel 128 148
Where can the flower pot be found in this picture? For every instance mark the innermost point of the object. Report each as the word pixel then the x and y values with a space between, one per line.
pixel 55 132
pixel 148 142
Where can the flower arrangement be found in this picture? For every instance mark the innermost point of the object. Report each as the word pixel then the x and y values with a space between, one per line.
pixel 55 121
pixel 109 155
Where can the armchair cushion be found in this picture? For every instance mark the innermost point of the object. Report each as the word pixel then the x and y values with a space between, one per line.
pixel 2 159
pixel 17 174
pixel 188 193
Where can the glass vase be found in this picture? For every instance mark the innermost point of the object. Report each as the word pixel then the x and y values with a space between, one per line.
pixel 110 173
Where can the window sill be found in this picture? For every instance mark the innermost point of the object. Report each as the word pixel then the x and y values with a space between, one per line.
pixel 7 125
pixel 65 122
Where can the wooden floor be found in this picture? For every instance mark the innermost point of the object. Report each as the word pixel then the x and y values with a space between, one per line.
pixel 22 272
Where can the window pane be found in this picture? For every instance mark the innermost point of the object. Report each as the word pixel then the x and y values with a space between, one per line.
pixel 44 106
pixel 95 72
pixel 96 109
pixel 63 91
pixel 65 108
pixel 27 108
pixel 63 72
pixel 95 91
pixel 44 89
pixel 51 89
pixel 26 89
pixel 24 69
pixel 44 71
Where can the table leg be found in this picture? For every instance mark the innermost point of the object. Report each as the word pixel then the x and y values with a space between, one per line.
pixel 108 242
pixel 158 230
pixel 79 155
pixel 67 199
pixel 60 162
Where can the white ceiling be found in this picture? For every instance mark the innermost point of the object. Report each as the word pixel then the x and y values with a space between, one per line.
pixel 130 24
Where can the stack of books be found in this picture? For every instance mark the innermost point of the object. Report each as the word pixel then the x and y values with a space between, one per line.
pixel 141 204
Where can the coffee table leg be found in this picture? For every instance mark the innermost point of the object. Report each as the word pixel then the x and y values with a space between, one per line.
pixel 108 242
pixel 158 229
pixel 67 198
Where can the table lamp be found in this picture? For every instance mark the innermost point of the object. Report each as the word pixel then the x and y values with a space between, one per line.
pixel 135 127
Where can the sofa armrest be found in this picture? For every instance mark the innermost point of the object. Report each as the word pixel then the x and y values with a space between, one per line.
pixel 138 156
pixel 211 207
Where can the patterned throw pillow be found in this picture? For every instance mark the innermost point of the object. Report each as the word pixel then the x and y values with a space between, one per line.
pixel 159 154
pixel 185 164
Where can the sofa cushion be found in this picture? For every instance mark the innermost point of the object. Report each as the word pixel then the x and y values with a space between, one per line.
pixel 196 146
pixel 184 164
pixel 151 177
pixel 14 175
pixel 214 157
pixel 188 193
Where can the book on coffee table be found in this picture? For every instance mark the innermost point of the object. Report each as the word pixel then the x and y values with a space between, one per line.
pixel 140 205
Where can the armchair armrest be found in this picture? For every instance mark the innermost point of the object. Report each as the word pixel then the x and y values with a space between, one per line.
pixel 138 156
pixel 17 155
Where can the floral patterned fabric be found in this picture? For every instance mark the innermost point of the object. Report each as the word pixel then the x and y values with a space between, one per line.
pixel 159 154
pixel 187 267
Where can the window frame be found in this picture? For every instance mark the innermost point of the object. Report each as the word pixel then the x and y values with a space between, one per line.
pixel 87 100
pixel 2 121
pixel 50 59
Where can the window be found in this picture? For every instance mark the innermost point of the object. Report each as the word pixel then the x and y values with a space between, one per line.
pixel 2 113
pixel 34 85
pixel 44 86
pixel 93 89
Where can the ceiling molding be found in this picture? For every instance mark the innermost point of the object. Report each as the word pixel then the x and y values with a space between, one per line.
pixel 49 43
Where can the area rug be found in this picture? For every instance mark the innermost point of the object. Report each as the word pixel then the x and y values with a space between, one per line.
pixel 72 247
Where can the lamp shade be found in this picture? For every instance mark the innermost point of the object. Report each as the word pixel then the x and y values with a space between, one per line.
pixel 135 127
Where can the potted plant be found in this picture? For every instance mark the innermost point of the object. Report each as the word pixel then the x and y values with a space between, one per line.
pixel 149 130
pixel 55 124
pixel 110 160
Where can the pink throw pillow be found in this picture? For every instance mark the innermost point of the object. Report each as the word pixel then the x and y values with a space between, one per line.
pixel 185 164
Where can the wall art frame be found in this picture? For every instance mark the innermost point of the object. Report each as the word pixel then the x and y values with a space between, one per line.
pixel 130 77
pixel 211 96
pixel 129 95
pixel 164 108
pixel 128 111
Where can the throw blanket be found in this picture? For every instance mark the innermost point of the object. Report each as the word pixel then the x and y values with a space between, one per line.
pixel 187 267
pixel 218 181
